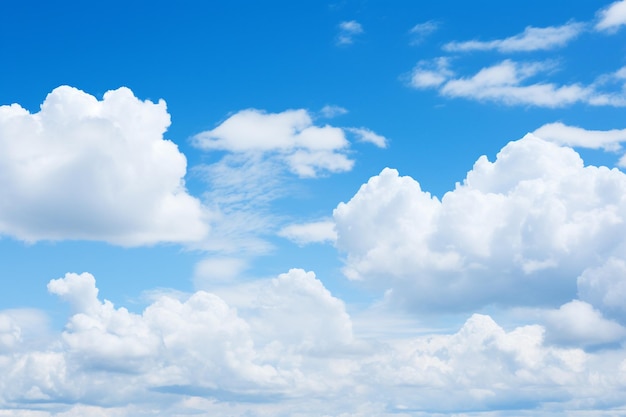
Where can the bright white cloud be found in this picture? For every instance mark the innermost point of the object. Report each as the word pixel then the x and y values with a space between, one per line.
pixel 83 168
pixel 561 134
pixel 518 230
pixel 612 17
pixel 290 351
pixel 307 149
pixel 348 30
pixel 421 31
pixel 314 232
pixel 508 82
pixel 532 39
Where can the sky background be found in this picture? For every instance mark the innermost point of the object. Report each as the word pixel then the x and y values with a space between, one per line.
pixel 352 208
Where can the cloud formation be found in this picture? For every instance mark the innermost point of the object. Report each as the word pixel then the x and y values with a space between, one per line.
pixel 559 133
pixel 508 83
pixel 307 149
pixel 532 39
pixel 517 231
pixel 421 31
pixel 291 349
pixel 612 17
pixel 83 168
pixel 348 30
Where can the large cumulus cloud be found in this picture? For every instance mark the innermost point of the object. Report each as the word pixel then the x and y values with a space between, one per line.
pixel 83 168
pixel 517 231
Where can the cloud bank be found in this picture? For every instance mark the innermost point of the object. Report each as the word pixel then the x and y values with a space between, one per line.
pixel 290 350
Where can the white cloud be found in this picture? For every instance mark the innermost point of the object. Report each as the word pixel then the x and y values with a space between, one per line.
pixel 314 232
pixel 347 31
pixel 517 231
pixel 83 168
pixel 421 31
pixel 261 150
pixel 290 350
pixel 532 39
pixel 365 135
pixel 329 111
pixel 578 323
pixel 612 17
pixel 605 288
pixel 307 149
pixel 561 134
pixel 507 83
pixel 431 73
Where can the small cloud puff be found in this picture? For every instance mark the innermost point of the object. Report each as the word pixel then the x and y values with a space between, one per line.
pixel 347 32
pixel 421 31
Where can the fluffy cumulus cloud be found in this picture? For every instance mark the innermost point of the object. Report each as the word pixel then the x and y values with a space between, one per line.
pixel 289 350
pixel 518 230
pixel 613 17
pixel 532 39
pixel 83 168
pixel 510 82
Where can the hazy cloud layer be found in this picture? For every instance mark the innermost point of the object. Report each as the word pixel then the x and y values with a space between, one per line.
pixel 532 39
pixel 83 168
pixel 313 232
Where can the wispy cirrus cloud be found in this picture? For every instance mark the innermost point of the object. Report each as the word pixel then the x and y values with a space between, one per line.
pixel 510 82
pixel 260 154
pixel 531 39
pixel 421 31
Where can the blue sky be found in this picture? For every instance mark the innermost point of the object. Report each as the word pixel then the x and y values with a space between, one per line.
pixel 351 208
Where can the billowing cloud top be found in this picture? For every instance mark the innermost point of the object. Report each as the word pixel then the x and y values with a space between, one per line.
pixel 83 168
pixel 518 230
